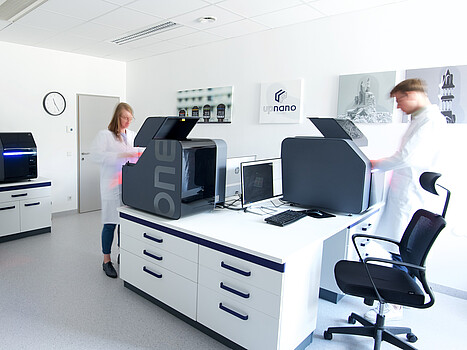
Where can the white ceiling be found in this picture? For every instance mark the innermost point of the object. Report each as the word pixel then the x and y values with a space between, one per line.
pixel 88 26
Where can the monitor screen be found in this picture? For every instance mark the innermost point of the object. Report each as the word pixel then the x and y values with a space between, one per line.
pixel 261 180
pixel 233 182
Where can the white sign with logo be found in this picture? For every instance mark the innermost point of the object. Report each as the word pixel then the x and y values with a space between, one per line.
pixel 281 102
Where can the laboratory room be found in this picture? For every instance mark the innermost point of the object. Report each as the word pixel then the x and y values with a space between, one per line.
pixel 232 174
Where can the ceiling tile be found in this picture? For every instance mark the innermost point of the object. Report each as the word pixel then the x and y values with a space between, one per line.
pixel 198 38
pixel 238 28
pixel 120 2
pixel 101 49
pixel 49 20
pixel 288 16
pixel 63 42
pixel 83 9
pixel 191 19
pixel 25 35
pixel 163 47
pixel 167 9
pixel 95 31
pixel 175 32
pixel 126 19
pixel 334 7
pixel 249 8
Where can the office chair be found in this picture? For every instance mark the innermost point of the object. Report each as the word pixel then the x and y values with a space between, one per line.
pixel 387 284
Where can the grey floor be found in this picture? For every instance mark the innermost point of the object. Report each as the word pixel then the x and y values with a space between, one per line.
pixel 54 295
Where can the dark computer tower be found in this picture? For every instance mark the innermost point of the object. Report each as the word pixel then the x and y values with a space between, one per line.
pixel 18 156
pixel 174 176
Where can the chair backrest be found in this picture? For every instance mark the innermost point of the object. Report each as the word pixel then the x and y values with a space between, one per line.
pixel 419 237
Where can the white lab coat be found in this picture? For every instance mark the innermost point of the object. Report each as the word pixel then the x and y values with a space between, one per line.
pixel 106 150
pixel 420 151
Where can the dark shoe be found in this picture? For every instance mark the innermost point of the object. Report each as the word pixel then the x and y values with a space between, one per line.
pixel 109 269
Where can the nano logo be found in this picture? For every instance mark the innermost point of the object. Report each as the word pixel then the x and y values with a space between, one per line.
pixel 280 96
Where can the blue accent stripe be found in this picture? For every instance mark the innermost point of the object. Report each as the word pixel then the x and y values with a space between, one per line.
pixel 209 244
pixel 158 227
pixel 25 186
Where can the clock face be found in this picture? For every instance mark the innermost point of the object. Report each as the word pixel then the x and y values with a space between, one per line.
pixel 54 103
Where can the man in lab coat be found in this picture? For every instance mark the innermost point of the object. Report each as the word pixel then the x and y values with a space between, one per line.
pixel 418 152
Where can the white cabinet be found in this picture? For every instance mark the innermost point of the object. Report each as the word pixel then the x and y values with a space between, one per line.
pixel 239 299
pixel 161 265
pixel 25 208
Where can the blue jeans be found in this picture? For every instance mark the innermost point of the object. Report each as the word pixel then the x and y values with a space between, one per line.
pixel 108 237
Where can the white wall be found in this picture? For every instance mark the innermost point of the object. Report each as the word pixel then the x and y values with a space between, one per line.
pixel 412 34
pixel 27 74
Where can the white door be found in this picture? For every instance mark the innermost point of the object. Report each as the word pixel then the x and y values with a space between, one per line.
pixel 94 114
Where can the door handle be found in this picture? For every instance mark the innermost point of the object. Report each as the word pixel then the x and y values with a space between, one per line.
pixel 85 153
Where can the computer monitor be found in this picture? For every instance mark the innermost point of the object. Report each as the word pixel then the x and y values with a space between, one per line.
pixel 233 180
pixel 261 180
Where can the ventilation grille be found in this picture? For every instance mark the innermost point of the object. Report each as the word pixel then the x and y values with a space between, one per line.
pixel 153 30
pixel 12 10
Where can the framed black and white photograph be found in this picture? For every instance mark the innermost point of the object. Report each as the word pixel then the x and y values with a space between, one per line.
pixel 444 88
pixel 210 105
pixel 364 98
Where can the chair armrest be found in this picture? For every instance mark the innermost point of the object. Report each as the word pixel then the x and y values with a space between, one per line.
pixel 394 262
pixel 372 237
pixel 401 263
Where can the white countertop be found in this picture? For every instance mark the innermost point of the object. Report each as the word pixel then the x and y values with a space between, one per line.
pixel 250 233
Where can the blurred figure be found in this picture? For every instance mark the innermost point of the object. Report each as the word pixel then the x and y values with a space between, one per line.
pixel 418 152
pixel 112 148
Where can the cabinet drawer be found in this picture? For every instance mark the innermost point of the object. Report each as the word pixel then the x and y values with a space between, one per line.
pixel 245 326
pixel 160 257
pixel 241 270
pixel 35 213
pixel 162 284
pixel 9 218
pixel 24 194
pixel 161 240
pixel 244 293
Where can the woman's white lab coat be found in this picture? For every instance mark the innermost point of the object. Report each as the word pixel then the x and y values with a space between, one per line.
pixel 107 150
pixel 419 152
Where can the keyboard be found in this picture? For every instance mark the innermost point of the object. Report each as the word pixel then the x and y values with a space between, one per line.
pixel 285 217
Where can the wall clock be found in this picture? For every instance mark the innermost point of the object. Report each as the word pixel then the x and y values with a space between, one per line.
pixel 54 103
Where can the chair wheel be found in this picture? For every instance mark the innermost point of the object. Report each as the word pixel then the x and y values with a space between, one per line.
pixel 412 338
pixel 351 320
pixel 327 335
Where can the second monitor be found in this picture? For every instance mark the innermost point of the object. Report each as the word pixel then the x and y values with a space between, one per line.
pixel 261 180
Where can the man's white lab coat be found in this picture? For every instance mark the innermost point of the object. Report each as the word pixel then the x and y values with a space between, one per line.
pixel 419 152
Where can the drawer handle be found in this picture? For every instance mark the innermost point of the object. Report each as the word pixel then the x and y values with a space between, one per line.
pixel 232 312
pixel 158 240
pixel 19 195
pixel 31 204
pixel 234 269
pixel 145 269
pixel 6 208
pixel 145 252
pixel 234 291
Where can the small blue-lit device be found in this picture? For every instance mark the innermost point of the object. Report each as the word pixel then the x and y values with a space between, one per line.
pixel 18 156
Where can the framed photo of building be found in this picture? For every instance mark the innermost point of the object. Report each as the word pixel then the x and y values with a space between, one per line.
pixel 364 98
pixel 444 88
pixel 210 105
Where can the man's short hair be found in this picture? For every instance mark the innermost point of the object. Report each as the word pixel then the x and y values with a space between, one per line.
pixel 409 85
